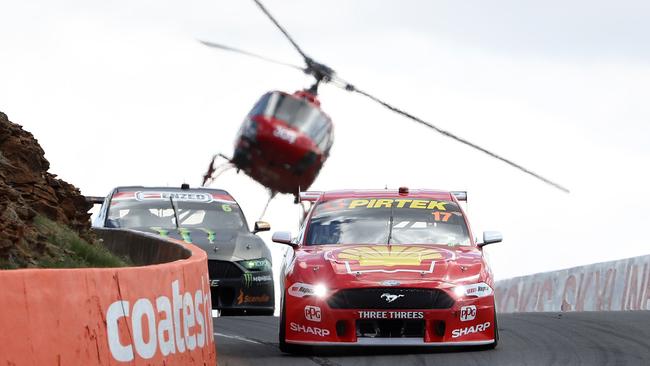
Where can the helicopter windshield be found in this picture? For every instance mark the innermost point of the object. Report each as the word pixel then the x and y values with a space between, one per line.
pixel 299 114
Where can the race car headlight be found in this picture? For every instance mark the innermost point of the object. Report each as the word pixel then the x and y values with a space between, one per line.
pixel 459 291
pixel 474 290
pixel 260 264
pixel 320 290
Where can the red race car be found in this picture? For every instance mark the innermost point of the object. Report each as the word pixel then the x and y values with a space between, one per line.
pixel 386 268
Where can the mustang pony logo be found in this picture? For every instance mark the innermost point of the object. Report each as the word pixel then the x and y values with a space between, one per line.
pixel 390 297
pixel 389 259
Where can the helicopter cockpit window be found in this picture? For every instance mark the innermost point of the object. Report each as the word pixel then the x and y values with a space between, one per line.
pixel 322 137
pixel 299 114
pixel 260 107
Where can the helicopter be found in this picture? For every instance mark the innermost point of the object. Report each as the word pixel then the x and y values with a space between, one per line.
pixel 283 141
pixel 286 138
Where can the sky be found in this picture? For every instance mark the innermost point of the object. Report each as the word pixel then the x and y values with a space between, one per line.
pixel 122 93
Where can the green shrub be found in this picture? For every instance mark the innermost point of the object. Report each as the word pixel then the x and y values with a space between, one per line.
pixel 70 250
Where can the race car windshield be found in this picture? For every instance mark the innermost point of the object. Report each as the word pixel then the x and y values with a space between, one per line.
pixel 214 215
pixel 368 221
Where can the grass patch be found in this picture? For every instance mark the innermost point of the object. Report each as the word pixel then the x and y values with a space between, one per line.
pixel 71 251
pixel 7 264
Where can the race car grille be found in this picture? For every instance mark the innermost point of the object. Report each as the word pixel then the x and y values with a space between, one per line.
pixel 390 298
pixel 390 328
pixel 223 269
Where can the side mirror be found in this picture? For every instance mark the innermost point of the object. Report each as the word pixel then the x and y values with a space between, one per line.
pixel 261 226
pixel 490 237
pixel 282 237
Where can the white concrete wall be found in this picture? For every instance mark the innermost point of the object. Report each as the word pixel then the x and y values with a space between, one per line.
pixel 608 286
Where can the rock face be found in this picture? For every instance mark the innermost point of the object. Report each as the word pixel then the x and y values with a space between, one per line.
pixel 27 189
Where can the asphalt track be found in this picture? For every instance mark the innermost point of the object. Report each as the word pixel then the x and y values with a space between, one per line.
pixel 590 338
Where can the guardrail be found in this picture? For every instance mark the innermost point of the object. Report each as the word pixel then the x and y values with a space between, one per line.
pixel 156 314
pixel 608 286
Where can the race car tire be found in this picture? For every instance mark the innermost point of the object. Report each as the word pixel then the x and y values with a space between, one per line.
pixel 284 346
pixel 496 334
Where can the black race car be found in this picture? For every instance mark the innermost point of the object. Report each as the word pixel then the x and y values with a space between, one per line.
pixel 239 262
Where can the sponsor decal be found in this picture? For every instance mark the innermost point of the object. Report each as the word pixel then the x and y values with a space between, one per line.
pixel 390 283
pixel 122 196
pixel 162 232
pixel 389 259
pixel 400 203
pixel 478 290
pixel 285 134
pixel 312 313
pixel 163 324
pixel 391 314
pixel 390 297
pixel 185 234
pixel 176 196
pixel 470 330
pixel 211 235
pixel 467 313
pixel 249 279
pixel 300 289
pixel 214 283
pixel 250 299
pixel 441 216
pixel 321 332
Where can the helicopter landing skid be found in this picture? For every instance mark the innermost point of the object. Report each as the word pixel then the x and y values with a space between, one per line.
pixel 214 172
pixel 271 197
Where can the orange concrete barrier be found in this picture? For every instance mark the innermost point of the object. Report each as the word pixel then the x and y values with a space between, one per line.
pixel 151 315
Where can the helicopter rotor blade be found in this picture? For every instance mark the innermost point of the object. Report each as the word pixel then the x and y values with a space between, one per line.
pixel 250 54
pixel 349 87
pixel 325 73
pixel 319 71
pixel 284 31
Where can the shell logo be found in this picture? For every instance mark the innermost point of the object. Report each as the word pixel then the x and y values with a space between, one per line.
pixel 389 256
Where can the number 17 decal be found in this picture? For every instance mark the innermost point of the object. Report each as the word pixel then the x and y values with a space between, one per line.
pixel 441 216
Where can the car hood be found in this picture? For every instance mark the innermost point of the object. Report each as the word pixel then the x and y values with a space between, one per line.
pixel 228 245
pixel 375 265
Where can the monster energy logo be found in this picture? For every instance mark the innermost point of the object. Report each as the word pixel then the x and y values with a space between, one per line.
pixel 185 234
pixel 162 232
pixel 211 235
pixel 249 279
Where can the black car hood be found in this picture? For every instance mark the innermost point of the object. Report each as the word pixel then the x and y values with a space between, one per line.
pixel 227 245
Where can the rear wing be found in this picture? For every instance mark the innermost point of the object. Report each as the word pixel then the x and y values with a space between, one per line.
pixel 95 200
pixel 460 195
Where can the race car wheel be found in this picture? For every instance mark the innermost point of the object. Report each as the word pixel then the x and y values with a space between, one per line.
pixel 496 333
pixel 284 346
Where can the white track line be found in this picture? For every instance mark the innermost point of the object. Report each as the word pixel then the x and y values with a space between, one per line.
pixel 237 338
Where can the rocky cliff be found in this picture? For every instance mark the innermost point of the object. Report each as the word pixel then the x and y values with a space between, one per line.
pixel 28 191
